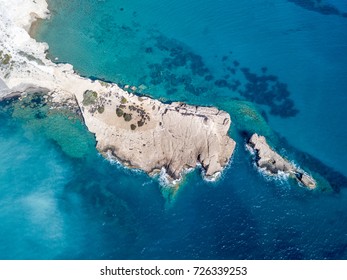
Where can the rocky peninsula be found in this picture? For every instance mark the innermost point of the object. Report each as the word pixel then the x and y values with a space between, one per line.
pixel 140 132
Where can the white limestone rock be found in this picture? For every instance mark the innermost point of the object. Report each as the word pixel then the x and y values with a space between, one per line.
pixel 272 163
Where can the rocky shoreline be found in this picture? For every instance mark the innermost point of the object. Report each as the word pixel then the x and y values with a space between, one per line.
pixel 138 131
pixel 146 134
pixel 273 164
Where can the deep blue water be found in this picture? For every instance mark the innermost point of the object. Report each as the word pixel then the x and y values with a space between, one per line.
pixel 60 200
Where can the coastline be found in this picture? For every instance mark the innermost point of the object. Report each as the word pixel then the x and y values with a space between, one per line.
pixel 139 132
pixel 62 199
pixel 149 127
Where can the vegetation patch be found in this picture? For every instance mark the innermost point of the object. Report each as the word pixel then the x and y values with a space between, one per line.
pixel 104 84
pixel 119 112
pixel 5 58
pixel 140 123
pixel 101 109
pixel 133 127
pixel 123 100
pixel 89 97
pixel 130 112
pixel 127 117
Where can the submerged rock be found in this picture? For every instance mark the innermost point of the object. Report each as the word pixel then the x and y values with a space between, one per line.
pixel 273 164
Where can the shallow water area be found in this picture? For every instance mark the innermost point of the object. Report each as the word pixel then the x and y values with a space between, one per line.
pixel 73 208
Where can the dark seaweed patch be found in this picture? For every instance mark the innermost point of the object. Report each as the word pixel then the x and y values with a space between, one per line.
pixel 318 6
pixel 268 90
pixel 40 115
pixel 336 179
pixel 149 50
pixel 221 83
pixel 209 78
pixel 178 68
pixel 181 69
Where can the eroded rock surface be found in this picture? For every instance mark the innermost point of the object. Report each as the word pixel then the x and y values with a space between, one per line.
pixel 273 164
pixel 144 133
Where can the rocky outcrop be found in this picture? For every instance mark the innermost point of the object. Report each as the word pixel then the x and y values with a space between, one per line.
pixel 140 132
pixel 146 134
pixel 273 164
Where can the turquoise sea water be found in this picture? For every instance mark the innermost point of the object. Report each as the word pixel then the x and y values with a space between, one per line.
pixel 60 200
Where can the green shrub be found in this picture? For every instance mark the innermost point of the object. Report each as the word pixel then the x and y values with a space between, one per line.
pixel 133 127
pixel 127 117
pixel 123 100
pixel 104 84
pixel 101 109
pixel 140 123
pixel 6 59
pixel 89 97
pixel 119 112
